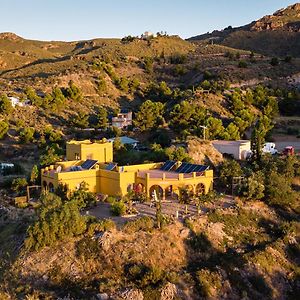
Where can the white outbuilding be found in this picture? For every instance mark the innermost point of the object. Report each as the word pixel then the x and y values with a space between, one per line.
pixel 240 149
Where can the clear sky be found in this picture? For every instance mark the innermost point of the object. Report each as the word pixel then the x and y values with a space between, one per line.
pixel 85 19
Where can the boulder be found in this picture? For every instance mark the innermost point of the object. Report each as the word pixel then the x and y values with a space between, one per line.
pixel 105 240
pixel 168 291
pixel 102 296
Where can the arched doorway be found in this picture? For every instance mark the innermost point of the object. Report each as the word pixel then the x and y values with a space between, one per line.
pixel 51 187
pixel 158 190
pixel 200 189
pixel 44 185
pixel 172 192
pixel 139 188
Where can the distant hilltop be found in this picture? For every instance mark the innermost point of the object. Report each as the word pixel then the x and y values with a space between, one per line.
pixel 277 34
pixel 9 36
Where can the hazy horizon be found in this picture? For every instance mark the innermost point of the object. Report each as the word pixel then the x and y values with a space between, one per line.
pixel 83 20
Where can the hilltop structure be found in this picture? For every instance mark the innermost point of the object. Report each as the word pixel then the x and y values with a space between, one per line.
pixel 92 163
pixel 125 140
pixel 122 120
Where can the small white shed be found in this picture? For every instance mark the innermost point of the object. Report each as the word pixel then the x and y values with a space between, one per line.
pixel 238 149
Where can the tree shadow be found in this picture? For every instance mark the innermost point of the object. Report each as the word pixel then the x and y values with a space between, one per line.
pixel 126 103
pixel 204 256
pixel 38 62
pixel 13 229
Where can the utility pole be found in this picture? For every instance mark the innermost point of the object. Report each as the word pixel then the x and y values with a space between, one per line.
pixel 204 128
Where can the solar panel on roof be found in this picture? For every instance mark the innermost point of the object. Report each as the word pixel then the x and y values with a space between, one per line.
pixel 186 168
pixel 75 168
pixel 181 167
pixel 88 164
pixel 110 166
pixel 178 169
pixel 165 165
pixel 202 168
pixel 194 168
pixel 190 168
pixel 168 165
pixel 197 168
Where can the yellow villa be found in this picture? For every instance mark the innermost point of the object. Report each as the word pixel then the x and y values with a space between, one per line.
pixel 92 163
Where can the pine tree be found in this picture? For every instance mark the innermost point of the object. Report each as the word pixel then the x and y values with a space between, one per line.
pixel 102 118
pixel 34 174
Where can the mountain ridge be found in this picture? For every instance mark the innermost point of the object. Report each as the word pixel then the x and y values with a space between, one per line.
pixel 276 34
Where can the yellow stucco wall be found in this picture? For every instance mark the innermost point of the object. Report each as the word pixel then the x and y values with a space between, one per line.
pixel 83 150
pixel 115 183
pixel 74 179
pixel 110 183
pixel 180 182
pixel 119 183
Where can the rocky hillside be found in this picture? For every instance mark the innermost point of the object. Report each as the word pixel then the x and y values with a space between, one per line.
pixel 284 19
pixel 243 252
pixel 277 34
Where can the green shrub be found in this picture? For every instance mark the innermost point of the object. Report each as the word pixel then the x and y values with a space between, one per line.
pixel 103 225
pixel 148 64
pixel 143 276
pixel 179 70
pixel 18 185
pixel 110 199
pixel 229 169
pixel 87 248
pixel 128 39
pixel 80 120
pixel 52 135
pixel 178 154
pixel 122 84
pixel 73 92
pixel 242 64
pixel 254 188
pixel 33 97
pixel 118 208
pixel 5 105
pixel 278 190
pixel 56 221
pixel 26 135
pixel 178 59
pixel 3 129
pixel 140 197
pixel 149 115
pixel 83 196
pixel 141 224
pixel 51 155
